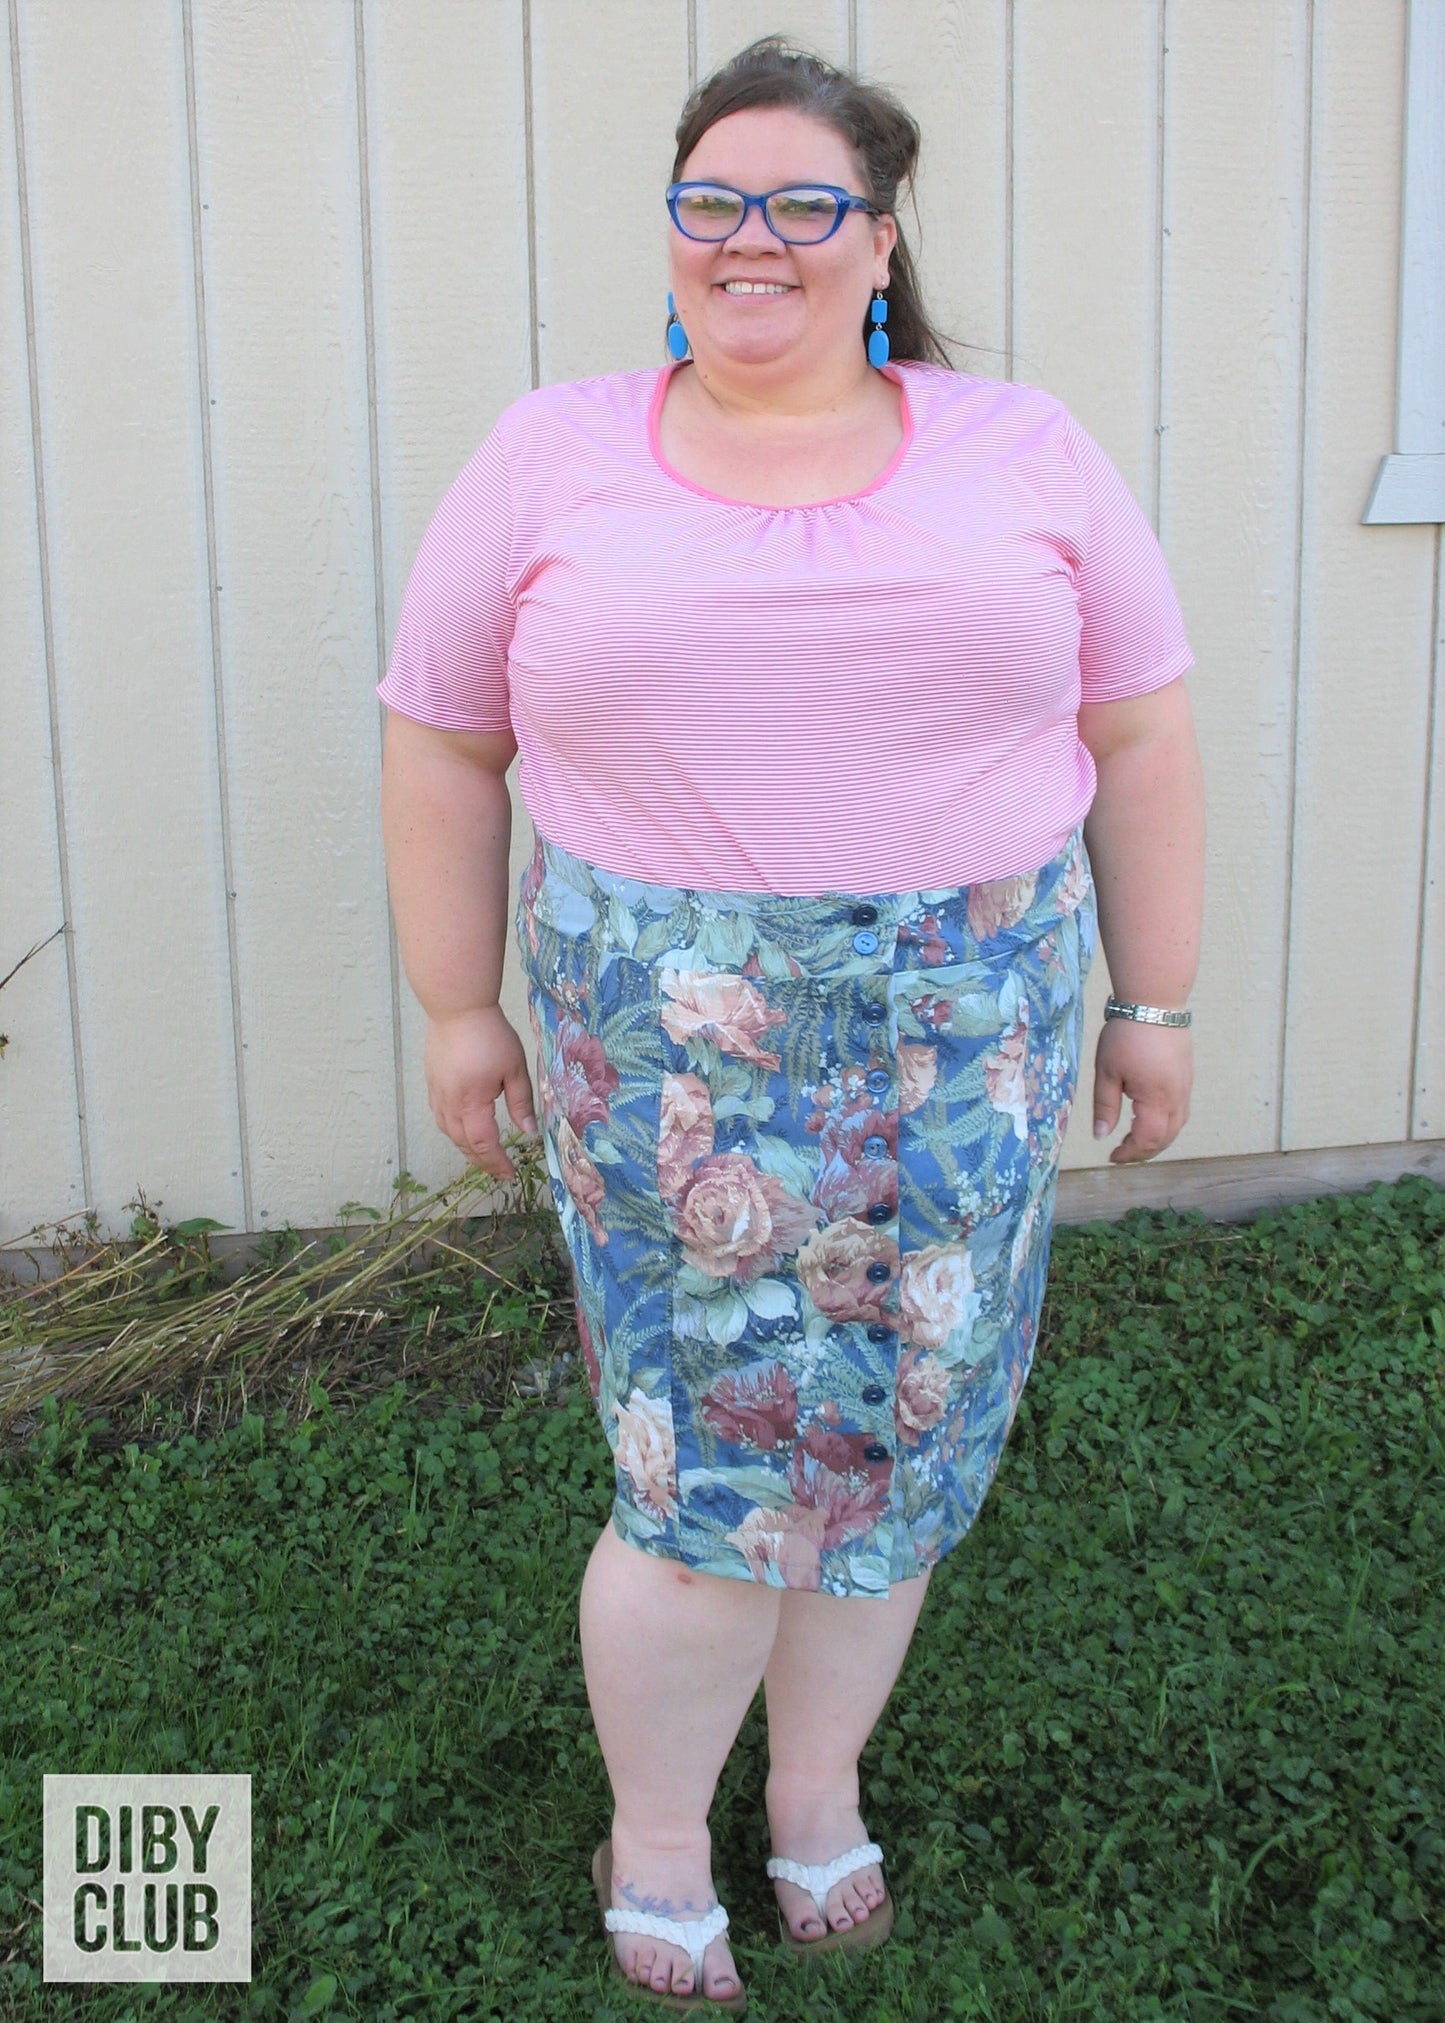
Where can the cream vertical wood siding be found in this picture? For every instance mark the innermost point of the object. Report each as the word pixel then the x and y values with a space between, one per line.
pixel 269 269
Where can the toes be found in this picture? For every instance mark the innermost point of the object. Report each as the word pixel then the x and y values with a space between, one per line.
pixel 857 1902
pixel 802 1914
pixel 856 1897
pixel 805 1920
pixel 722 1981
pixel 668 1970
pixel 841 1916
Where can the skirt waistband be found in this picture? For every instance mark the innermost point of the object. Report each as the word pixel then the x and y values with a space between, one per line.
pixel 834 935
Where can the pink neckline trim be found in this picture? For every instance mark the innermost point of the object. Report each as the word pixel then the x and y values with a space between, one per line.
pixel 654 443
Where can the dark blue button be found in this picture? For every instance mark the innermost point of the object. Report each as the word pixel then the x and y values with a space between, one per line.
pixel 874 1452
pixel 875 1147
pixel 864 916
pixel 873 1394
pixel 878 1271
pixel 878 1333
pixel 880 1212
pixel 878 1080
pixel 875 1013
pixel 866 943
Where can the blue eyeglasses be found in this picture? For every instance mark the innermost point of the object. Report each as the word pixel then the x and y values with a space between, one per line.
pixel 800 214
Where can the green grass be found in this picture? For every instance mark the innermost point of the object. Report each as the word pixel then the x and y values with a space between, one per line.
pixel 1169 1743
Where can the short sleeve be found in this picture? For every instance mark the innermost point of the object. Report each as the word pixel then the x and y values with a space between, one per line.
pixel 1132 630
pixel 448 662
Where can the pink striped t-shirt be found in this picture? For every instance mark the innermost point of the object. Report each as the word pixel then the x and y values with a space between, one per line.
pixel 875 693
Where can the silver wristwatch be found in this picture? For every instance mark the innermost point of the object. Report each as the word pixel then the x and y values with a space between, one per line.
pixel 1146 1014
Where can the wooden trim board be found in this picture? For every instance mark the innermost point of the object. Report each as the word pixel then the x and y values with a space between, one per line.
pixel 1224 1190
pixel 1235 1189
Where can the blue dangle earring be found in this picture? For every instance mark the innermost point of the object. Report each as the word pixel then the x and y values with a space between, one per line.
pixel 676 335
pixel 878 336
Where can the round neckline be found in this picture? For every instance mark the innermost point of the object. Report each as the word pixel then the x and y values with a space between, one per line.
pixel 654 443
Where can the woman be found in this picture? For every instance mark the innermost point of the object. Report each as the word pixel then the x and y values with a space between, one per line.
pixel 816 658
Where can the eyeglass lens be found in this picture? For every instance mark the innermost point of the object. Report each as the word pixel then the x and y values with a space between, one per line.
pixel 797 215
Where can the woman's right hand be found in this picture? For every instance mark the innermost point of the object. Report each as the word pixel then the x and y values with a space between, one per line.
pixel 470 1058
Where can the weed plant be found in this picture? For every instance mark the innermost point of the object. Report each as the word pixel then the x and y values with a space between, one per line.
pixel 158 1327
pixel 1169 1742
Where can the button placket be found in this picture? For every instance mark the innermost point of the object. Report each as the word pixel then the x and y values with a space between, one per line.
pixel 865 919
pixel 884 1336
pixel 879 1082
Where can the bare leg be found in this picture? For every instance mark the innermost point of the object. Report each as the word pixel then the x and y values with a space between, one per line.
pixel 672 1661
pixel 832 1668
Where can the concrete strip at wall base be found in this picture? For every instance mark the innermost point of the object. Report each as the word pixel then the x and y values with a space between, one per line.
pixel 1223 1190
pixel 1236 1189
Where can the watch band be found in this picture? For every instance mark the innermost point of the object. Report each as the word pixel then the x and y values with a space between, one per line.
pixel 1146 1014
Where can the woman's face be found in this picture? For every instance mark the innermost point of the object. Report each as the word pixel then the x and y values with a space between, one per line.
pixel 828 285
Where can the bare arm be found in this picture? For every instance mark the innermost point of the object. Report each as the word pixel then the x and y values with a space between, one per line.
pixel 1145 837
pixel 446 819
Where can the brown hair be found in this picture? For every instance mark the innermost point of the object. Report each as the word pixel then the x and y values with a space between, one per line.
pixel 883 136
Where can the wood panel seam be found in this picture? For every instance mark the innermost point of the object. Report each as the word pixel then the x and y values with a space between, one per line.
pixel 1291 822
pixel 47 610
pixel 528 151
pixel 368 316
pixel 1161 164
pixel 218 694
pixel 1427 841
pixel 1010 211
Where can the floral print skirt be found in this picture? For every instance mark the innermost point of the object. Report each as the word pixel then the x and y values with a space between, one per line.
pixel 804 1152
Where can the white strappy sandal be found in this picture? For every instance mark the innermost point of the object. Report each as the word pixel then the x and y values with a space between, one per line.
pixel 817 1879
pixel 692 1935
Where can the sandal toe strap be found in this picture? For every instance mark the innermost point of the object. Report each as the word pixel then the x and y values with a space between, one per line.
pixel 694 1935
pixel 818 1878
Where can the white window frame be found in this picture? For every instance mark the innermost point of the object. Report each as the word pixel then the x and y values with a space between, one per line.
pixel 1410 485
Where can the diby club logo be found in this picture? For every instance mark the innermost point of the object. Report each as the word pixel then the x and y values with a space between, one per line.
pixel 147 1878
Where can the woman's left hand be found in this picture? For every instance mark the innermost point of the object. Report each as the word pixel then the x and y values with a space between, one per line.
pixel 1154 1067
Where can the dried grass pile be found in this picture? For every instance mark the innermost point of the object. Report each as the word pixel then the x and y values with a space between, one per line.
pixel 148 1324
